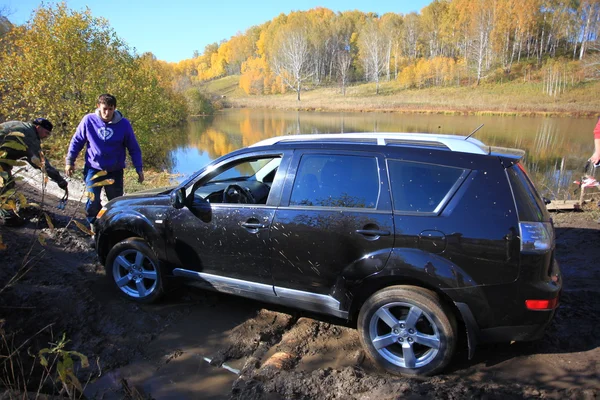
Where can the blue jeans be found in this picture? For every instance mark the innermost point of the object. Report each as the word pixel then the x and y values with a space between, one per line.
pixel 93 204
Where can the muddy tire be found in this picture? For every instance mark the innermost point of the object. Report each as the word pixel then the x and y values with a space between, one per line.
pixel 406 330
pixel 134 270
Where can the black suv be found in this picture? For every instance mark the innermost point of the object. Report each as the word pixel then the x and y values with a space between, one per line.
pixel 416 237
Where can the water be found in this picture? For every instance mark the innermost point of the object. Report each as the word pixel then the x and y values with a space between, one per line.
pixel 556 148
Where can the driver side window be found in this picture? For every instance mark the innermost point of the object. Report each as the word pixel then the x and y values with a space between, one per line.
pixel 246 181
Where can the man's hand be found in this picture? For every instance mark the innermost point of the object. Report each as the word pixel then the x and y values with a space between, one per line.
pixel 595 158
pixel 140 176
pixel 69 170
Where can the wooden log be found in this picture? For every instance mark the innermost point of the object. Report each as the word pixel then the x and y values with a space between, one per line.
pixel 557 205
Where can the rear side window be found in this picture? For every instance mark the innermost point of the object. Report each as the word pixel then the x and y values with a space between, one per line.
pixel 336 181
pixel 421 188
pixel 530 206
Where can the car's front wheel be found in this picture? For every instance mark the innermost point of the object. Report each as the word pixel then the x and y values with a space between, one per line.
pixel 135 270
pixel 407 330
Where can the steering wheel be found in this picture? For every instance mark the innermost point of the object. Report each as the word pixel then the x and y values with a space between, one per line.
pixel 238 194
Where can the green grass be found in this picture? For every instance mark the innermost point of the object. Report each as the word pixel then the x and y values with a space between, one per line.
pixel 152 179
pixel 517 97
pixel 228 87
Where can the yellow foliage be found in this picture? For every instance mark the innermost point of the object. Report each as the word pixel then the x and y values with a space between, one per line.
pixel 105 182
pixel 253 72
pixel 48 221
pixel 437 71
pixel 42 239
pixel 83 228
pixel 99 174
pixel 58 63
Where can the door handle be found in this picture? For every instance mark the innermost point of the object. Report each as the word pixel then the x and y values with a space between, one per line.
pixel 372 232
pixel 253 225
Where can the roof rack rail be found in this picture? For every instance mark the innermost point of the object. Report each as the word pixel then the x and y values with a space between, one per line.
pixel 457 143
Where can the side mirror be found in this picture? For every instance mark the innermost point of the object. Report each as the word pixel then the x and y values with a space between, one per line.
pixel 201 209
pixel 546 200
pixel 178 198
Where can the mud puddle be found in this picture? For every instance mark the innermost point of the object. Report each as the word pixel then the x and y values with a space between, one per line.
pixel 176 364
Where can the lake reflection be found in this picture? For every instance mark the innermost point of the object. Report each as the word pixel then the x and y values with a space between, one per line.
pixel 556 148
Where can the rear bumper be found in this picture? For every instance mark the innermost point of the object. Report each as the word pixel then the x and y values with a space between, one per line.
pixel 499 313
pixel 519 333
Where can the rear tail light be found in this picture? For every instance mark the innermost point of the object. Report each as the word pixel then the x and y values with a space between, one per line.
pixel 541 305
pixel 536 237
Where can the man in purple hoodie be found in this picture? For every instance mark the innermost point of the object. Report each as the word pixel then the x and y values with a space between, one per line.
pixel 107 134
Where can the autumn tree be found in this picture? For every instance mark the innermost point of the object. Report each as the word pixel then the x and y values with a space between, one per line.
pixel 433 19
pixel 211 63
pixel 5 24
pixel 391 26
pixel 482 20
pixel 291 57
pixel 476 20
pixel 411 31
pixel 372 45
pixel 239 48
pixel 589 10
pixel 254 75
pixel 343 62
pixel 321 39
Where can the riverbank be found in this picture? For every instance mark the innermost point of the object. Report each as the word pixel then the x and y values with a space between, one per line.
pixel 516 98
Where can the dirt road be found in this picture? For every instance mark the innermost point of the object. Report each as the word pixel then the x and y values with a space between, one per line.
pixel 197 344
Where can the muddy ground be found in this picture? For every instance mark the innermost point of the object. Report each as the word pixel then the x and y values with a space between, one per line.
pixel 197 344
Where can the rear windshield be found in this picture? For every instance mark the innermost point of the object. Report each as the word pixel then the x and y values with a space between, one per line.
pixel 422 188
pixel 530 205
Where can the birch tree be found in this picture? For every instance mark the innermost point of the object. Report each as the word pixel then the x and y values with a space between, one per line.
pixel 432 18
pixel 391 25
pixel 372 49
pixel 592 63
pixel 482 22
pixel 343 62
pixel 411 30
pixel 590 15
pixel 291 57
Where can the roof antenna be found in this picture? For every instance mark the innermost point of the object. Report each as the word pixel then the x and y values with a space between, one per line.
pixel 472 133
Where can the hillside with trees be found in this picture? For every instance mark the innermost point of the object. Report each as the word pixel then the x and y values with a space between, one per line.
pixel 449 43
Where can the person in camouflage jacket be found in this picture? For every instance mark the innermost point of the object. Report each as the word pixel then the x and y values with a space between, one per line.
pixel 26 144
pixel 33 133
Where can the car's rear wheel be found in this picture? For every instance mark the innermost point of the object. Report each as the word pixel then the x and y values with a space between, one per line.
pixel 134 269
pixel 407 330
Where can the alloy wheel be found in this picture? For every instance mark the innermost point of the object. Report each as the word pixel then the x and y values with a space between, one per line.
pixel 404 335
pixel 135 274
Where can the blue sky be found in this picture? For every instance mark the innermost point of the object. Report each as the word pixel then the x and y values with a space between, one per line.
pixel 172 30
